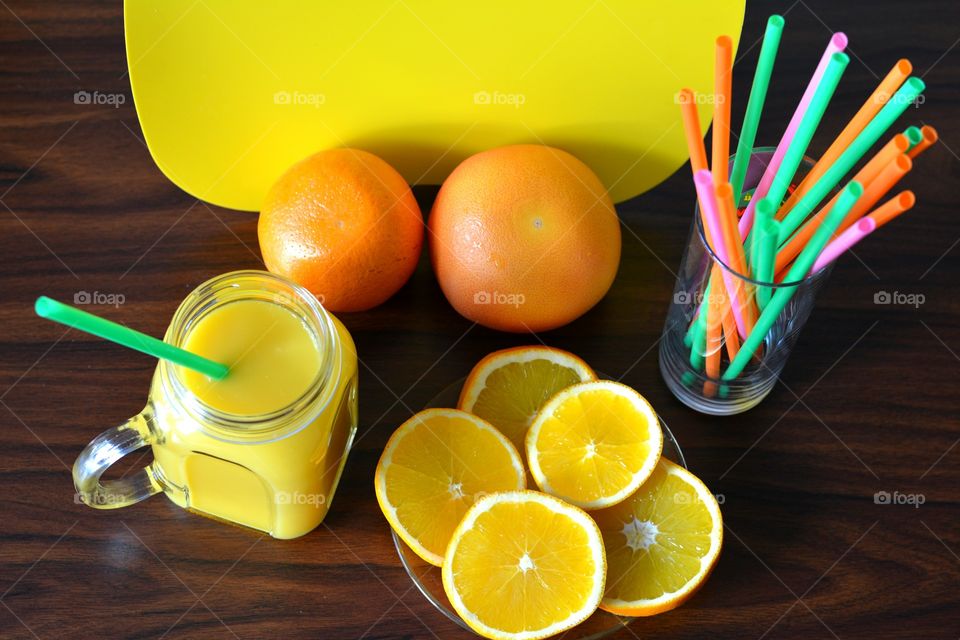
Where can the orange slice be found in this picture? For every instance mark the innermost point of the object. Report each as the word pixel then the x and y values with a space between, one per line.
pixel 523 564
pixel 593 444
pixel 661 543
pixel 432 469
pixel 507 388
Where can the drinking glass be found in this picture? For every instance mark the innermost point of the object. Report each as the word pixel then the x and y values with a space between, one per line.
pixel 682 361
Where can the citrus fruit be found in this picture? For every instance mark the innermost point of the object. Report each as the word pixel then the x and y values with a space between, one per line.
pixel 433 467
pixel 523 564
pixel 344 224
pixel 508 387
pixel 513 229
pixel 593 444
pixel 661 542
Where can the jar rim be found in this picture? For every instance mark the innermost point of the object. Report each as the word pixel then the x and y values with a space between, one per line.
pixel 285 421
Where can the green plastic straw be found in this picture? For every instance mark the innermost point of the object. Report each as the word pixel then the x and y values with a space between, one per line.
pixel 766 258
pixel 903 98
pixel 758 95
pixel 764 212
pixel 698 342
pixel 100 327
pixel 808 126
pixel 799 270
pixel 801 139
pixel 914 135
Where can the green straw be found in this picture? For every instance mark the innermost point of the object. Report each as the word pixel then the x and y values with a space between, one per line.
pixel 808 126
pixel 903 98
pixel 751 118
pixel 89 323
pixel 764 212
pixel 758 94
pixel 805 130
pixel 769 232
pixel 914 136
pixel 698 343
pixel 799 270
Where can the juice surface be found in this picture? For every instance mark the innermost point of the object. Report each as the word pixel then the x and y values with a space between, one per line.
pixel 282 486
pixel 272 356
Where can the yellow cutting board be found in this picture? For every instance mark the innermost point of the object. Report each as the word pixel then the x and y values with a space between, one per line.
pixel 232 92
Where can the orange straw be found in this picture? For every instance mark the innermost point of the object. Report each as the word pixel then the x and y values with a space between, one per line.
pixel 893 207
pixel 730 336
pixel 698 162
pixel 896 146
pixel 743 296
pixel 878 187
pixel 722 79
pixel 875 189
pixel 930 137
pixel 712 367
pixel 691 127
pixel 887 87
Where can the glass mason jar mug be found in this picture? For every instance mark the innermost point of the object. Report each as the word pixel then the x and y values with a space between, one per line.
pixel 266 446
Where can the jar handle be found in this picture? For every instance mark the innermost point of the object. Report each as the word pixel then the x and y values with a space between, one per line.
pixel 102 452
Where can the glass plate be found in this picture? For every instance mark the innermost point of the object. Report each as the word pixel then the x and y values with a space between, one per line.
pixel 428 579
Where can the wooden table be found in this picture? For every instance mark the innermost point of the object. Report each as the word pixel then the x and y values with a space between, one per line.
pixel 869 403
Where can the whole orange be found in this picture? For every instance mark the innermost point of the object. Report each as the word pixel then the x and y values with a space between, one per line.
pixel 524 238
pixel 344 224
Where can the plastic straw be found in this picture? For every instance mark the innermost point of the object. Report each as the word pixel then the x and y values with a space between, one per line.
pixel 711 215
pixel 698 162
pixel 896 146
pixel 714 323
pixel 838 42
pixel 893 207
pixel 805 260
pixel 878 187
pixel 691 129
pixel 843 242
pixel 887 87
pixel 743 295
pixel 914 136
pixel 58 312
pixel 765 211
pixel 730 336
pixel 722 90
pixel 768 231
pixel 930 137
pixel 904 97
pixel 875 189
pixel 758 95
pixel 808 126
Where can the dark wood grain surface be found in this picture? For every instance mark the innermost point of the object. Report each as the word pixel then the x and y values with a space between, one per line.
pixel 869 402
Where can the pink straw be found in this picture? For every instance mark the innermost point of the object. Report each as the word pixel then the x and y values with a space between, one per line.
pixel 838 42
pixel 707 193
pixel 850 237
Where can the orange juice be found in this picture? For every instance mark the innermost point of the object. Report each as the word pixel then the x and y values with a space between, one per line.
pixel 265 446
